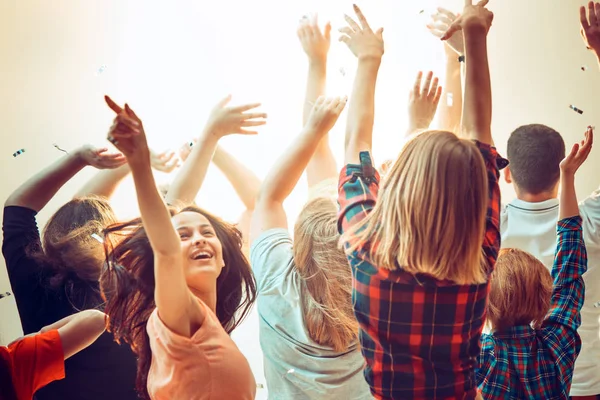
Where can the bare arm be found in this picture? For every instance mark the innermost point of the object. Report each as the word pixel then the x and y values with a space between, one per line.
pixel 104 183
pixel 245 183
pixel 286 172
pixel 568 167
pixel 78 331
pixel 222 121
pixel 367 46
pixel 451 105
pixel 37 191
pixel 176 306
pixel 316 46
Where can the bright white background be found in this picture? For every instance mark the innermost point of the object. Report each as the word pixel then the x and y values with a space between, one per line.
pixel 173 60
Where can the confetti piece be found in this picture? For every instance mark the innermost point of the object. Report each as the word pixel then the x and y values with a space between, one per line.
pixel 291 371
pixel 421 12
pixel 97 237
pixel 449 99
pixel 260 386
pixel 342 71
pixel 101 69
pixel 584 67
pixel 597 304
pixel 191 144
pixel 18 152
pixel 572 107
pixel 58 148
pixel 5 294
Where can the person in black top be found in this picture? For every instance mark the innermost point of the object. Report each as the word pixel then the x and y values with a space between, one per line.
pixel 57 275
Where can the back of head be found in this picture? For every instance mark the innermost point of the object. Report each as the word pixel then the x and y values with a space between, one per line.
pixel 520 292
pixel 73 255
pixel 326 276
pixel 430 214
pixel 535 152
pixel 7 387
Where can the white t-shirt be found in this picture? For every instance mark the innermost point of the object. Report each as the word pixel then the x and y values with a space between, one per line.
pixel 532 227
pixel 296 367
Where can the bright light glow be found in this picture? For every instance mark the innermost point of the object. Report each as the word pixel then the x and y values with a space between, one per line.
pixel 176 59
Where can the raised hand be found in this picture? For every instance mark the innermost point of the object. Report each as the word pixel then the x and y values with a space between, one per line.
pixel 423 101
pixel 225 120
pixel 579 153
pixel 590 26
pixel 473 16
pixel 325 113
pixel 127 133
pixel 100 159
pixel 165 161
pixel 361 40
pixel 314 42
pixel 440 24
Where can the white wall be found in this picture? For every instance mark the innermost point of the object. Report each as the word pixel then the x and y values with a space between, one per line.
pixel 172 60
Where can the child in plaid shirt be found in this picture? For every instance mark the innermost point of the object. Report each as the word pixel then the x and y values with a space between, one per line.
pixel 420 281
pixel 534 317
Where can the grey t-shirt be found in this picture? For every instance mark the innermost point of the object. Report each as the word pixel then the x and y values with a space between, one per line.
pixel 295 366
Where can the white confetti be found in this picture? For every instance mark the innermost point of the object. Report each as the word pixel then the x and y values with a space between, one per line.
pixel 291 371
pixel 101 69
pixel 449 99
pixel 597 304
pixel 342 71
pixel 97 237
pixel 260 386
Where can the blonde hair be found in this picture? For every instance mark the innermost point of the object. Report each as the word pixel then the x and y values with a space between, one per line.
pixel 431 211
pixel 520 292
pixel 326 276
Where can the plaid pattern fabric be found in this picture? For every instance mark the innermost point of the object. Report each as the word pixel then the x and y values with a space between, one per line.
pixel 524 363
pixel 419 336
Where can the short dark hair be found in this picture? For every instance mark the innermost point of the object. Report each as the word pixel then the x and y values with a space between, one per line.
pixel 535 152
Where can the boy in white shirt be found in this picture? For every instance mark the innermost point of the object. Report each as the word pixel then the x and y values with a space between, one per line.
pixel 529 222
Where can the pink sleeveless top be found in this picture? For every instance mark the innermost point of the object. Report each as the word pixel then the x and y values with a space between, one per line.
pixel 207 366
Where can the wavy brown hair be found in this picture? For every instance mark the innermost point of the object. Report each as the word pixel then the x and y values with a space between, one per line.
pixel 127 285
pixel 326 276
pixel 72 257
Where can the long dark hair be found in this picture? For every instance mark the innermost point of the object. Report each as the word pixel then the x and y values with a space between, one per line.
pixel 7 387
pixel 72 257
pixel 127 285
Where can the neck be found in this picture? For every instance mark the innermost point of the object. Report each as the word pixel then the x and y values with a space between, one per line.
pixel 208 298
pixel 535 198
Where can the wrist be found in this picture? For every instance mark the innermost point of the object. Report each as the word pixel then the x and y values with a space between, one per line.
pixel 319 63
pixel 370 59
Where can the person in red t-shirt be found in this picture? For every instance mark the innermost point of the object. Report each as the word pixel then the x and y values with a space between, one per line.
pixel 31 362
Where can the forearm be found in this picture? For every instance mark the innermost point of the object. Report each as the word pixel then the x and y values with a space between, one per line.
pixel 58 324
pixel 187 182
pixel 36 192
pixel 568 206
pixel 477 102
pixel 284 175
pixel 451 112
pixel 105 182
pixel 361 112
pixel 245 183
pixel 315 86
pixel 81 331
pixel 155 215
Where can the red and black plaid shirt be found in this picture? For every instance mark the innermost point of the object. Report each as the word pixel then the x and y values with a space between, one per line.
pixel 419 336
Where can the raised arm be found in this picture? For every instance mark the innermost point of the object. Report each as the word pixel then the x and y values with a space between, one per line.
pixel 570 262
pixel 105 183
pixel 176 308
pixel 368 48
pixel 223 121
pixel 245 182
pixel 78 331
pixel 316 45
pixel 450 109
pixel 37 191
pixel 423 102
pixel 284 175
pixel 475 23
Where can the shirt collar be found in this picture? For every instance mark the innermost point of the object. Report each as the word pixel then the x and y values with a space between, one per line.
pixel 516 332
pixel 541 206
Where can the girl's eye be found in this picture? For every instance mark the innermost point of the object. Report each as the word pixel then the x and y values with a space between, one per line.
pixel 207 233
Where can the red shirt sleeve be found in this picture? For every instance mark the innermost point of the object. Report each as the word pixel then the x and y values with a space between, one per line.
pixel 36 361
